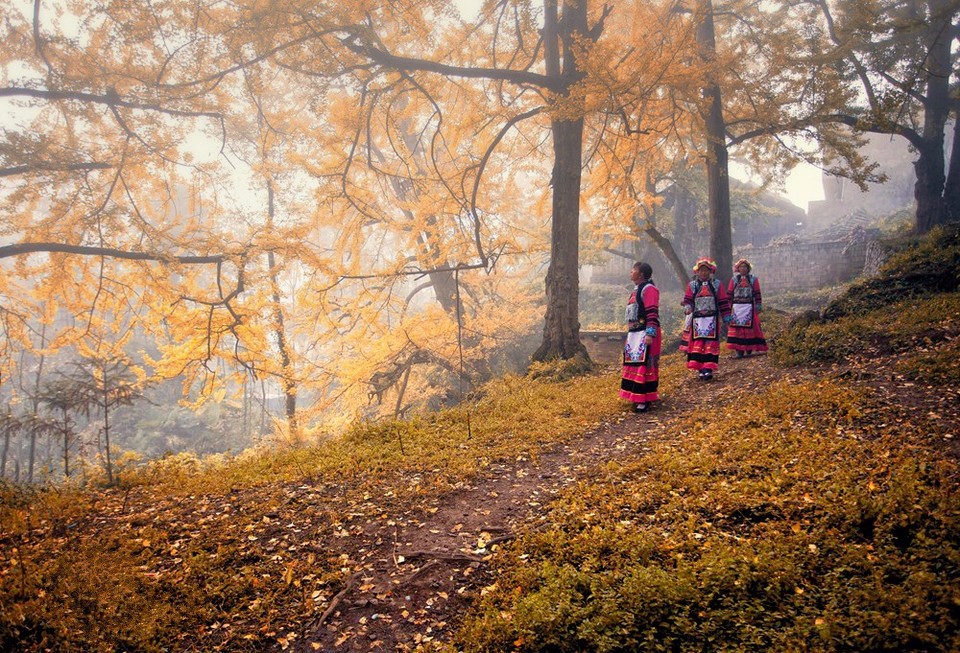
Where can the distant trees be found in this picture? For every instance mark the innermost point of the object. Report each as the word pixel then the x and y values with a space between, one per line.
pixel 63 396
pixel 899 60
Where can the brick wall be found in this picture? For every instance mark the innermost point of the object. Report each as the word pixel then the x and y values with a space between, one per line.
pixel 805 266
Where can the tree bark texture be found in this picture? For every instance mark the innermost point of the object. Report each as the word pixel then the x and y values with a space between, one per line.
pixel 561 329
pixel 951 191
pixel 929 190
pixel 718 175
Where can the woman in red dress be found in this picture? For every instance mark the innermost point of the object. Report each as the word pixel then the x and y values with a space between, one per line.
pixel 745 335
pixel 705 303
pixel 641 352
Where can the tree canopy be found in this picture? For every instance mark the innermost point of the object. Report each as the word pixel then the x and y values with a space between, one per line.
pixel 358 201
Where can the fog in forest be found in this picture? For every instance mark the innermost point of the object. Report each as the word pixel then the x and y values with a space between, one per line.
pixel 256 227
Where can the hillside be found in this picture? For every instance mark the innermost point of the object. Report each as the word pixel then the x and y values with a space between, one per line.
pixel 812 506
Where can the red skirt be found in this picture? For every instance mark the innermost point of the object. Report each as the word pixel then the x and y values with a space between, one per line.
pixel 638 383
pixel 702 354
pixel 747 338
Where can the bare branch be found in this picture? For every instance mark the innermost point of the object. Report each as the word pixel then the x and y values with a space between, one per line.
pixel 54 167
pixel 389 60
pixel 110 99
pixel 6 251
pixel 862 124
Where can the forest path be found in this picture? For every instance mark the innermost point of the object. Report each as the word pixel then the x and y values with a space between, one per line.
pixel 422 570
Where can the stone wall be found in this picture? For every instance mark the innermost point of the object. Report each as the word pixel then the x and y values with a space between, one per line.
pixel 805 266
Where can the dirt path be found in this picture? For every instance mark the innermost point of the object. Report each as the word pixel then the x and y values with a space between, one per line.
pixel 423 570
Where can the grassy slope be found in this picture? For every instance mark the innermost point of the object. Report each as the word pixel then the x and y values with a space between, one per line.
pixel 817 516
pixel 810 516
pixel 230 553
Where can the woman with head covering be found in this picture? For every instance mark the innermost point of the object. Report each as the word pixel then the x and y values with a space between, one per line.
pixel 745 335
pixel 705 303
pixel 641 350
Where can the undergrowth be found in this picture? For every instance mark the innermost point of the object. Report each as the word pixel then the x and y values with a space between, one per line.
pixel 891 329
pixel 793 523
pixel 189 550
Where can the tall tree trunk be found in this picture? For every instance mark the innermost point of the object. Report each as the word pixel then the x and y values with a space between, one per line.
pixel 36 401
pixel 287 381
pixel 951 191
pixel 3 457
pixel 931 178
pixel 263 407
pixel 245 419
pixel 929 186
pixel 66 444
pixel 32 454
pixel 561 330
pixel 718 174
pixel 106 424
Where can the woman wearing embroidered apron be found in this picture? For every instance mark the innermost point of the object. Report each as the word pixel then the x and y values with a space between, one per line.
pixel 641 351
pixel 705 304
pixel 745 335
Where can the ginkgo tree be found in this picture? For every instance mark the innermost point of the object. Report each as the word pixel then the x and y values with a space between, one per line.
pixel 353 199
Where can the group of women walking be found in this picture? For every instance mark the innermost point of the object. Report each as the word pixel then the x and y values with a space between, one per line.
pixel 707 304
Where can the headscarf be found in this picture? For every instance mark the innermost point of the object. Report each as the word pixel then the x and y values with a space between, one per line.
pixel 742 261
pixel 704 261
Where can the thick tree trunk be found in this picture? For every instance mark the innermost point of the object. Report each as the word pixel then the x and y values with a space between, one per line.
pixel 931 177
pixel 561 329
pixel 928 189
pixel 951 191
pixel 718 175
